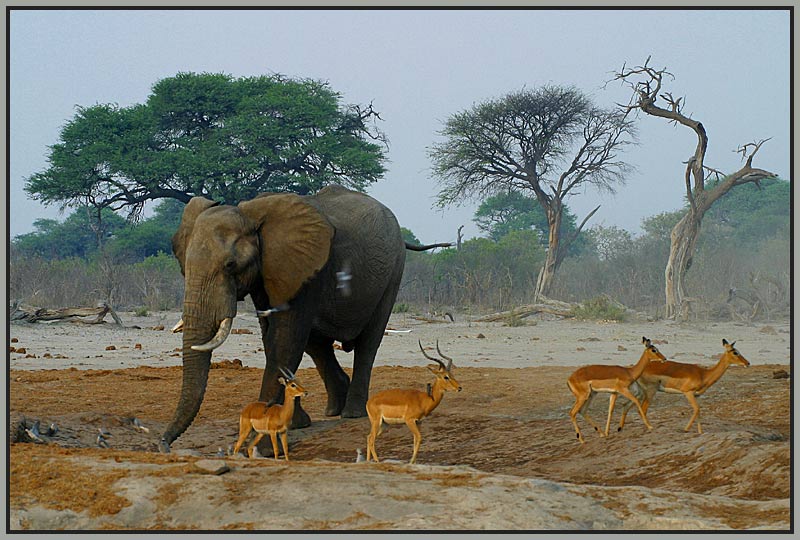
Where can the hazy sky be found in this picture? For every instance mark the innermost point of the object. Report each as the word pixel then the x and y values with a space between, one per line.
pixel 418 68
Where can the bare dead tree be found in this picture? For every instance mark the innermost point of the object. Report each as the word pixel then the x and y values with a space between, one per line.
pixel 704 185
pixel 460 237
pixel 520 142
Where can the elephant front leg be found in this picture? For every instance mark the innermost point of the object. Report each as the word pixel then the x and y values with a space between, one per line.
pixel 336 380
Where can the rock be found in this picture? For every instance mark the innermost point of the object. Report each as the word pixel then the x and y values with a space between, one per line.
pixel 14 340
pixel 29 355
pixel 159 327
pixel 581 349
pixel 211 466
pixel 241 331
pixel 21 350
pixel 481 336
pixel 780 374
pixel 768 330
pixel 12 349
pixel 111 348
pixel 187 452
pixel 138 346
pixel 589 339
pixel 47 355
pixel 621 348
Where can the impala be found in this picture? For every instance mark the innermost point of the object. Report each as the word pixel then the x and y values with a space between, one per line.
pixel 272 419
pixel 688 379
pixel 398 406
pixel 588 380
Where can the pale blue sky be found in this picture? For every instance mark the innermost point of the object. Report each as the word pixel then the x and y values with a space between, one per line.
pixel 419 67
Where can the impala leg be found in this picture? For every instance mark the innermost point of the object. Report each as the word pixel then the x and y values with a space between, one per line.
pixel 412 425
pixel 693 402
pixel 375 430
pixel 244 431
pixel 274 438
pixel 625 410
pixel 573 413
pixel 253 444
pixel 627 393
pixel 612 400
pixel 285 443
pixel 585 414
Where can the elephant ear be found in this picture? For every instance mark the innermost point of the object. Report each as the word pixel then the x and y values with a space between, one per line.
pixel 295 242
pixel 195 207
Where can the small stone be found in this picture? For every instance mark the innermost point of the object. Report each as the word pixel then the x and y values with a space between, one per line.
pixel 14 340
pixel 47 355
pixel 21 350
pixel 188 452
pixel 211 466
pixel 159 327
pixel 581 349
pixel 12 349
pixel 780 374
pixel 111 348
pixel 621 348
pixel 138 346
pixel 241 331
pixel 481 336
pixel 30 356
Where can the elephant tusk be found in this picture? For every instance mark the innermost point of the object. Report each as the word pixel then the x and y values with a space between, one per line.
pixel 178 327
pixel 219 338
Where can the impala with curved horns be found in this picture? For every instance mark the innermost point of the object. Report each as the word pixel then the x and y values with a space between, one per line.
pixel 585 382
pixel 408 406
pixel 272 419
pixel 688 379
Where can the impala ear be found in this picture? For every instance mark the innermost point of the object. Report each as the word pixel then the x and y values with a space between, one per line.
pixel 724 341
pixel 645 341
pixel 282 381
pixel 195 207
pixel 295 242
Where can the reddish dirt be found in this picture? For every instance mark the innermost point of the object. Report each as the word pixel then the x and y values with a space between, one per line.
pixel 508 421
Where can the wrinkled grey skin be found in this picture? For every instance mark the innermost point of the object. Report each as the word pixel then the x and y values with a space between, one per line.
pixel 221 259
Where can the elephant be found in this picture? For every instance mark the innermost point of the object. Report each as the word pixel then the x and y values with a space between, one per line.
pixel 318 268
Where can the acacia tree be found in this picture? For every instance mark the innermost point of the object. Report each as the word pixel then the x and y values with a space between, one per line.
pixel 213 135
pixel 704 185
pixel 549 142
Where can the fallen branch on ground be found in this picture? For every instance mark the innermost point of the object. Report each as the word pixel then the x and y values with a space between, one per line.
pixel 33 314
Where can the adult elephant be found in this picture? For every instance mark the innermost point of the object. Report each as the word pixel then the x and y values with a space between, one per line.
pixel 325 267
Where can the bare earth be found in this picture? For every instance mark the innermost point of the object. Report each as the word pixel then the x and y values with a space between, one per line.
pixel 501 454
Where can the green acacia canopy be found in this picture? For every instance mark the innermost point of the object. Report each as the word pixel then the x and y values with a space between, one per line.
pixel 213 135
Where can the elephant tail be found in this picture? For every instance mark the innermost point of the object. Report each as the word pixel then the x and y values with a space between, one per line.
pixel 414 247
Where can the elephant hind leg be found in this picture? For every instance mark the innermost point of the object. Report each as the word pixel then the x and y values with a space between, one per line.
pixel 336 380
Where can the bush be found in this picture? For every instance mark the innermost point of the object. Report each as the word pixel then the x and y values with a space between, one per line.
pixel 516 321
pixel 599 308
pixel 401 307
pixel 140 311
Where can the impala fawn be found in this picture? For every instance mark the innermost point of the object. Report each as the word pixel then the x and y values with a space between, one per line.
pixel 273 419
pixel 588 380
pixel 688 379
pixel 398 406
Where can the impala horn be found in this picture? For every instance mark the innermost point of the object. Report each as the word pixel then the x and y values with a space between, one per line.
pixel 219 338
pixel 449 360
pixel 431 357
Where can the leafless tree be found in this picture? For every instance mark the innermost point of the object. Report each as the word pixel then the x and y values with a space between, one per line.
pixel 550 142
pixel 704 184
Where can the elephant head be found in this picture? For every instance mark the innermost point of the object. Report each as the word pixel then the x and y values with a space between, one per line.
pixel 268 247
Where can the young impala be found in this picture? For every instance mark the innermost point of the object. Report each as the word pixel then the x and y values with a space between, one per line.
pixel 397 406
pixel 273 419
pixel 688 379
pixel 588 380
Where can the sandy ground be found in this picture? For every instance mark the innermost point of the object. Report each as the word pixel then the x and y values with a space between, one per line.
pixel 501 454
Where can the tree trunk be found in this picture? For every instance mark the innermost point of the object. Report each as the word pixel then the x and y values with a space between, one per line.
pixel 682 243
pixel 545 280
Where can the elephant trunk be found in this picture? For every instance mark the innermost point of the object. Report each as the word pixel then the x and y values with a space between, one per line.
pixel 202 324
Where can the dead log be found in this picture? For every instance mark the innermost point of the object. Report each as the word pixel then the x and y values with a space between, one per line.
pixel 33 314
pixel 560 309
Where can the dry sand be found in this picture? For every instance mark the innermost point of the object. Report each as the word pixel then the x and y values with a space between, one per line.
pixel 501 454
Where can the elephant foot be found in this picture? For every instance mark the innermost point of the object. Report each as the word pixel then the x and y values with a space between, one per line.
pixel 300 419
pixel 354 411
pixel 335 405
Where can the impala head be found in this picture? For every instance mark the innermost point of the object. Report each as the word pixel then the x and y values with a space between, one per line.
pixel 652 352
pixel 293 388
pixel 732 356
pixel 442 371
